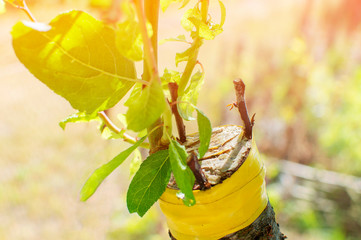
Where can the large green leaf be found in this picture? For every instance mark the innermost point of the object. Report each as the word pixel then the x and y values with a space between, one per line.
pixel 205 132
pixel 190 97
pixel 149 183
pixel 102 172
pixel 182 173
pixel 145 105
pixel 76 57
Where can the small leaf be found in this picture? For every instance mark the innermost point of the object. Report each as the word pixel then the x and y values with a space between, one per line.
pixel 206 31
pixel 223 13
pixel 170 76
pixel 109 134
pixel 180 38
pixel 189 53
pixel 102 172
pixel 135 163
pixel 190 97
pixel 149 182
pixel 183 56
pixel 190 13
pixel 205 132
pixel 77 58
pixel 78 117
pixel 145 105
pixel 183 175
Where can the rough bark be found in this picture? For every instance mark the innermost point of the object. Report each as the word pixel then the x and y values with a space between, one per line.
pixel 264 227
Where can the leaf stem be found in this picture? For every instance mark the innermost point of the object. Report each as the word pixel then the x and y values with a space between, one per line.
pixel 157 139
pixel 167 128
pixel 193 164
pixel 192 61
pixel 149 51
pixel 26 10
pixel 127 138
pixel 173 89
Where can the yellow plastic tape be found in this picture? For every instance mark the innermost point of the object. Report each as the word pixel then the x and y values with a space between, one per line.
pixel 223 209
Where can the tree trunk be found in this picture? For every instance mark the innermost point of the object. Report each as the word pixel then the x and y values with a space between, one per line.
pixel 264 228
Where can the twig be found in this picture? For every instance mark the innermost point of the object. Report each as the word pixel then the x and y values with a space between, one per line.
pixel 25 8
pixel 127 138
pixel 192 60
pixel 240 87
pixel 173 89
pixel 149 51
pixel 193 164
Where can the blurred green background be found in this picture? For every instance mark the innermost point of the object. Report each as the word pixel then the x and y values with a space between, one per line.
pixel 301 62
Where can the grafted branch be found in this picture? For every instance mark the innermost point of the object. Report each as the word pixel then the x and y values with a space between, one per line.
pixel 173 89
pixel 240 88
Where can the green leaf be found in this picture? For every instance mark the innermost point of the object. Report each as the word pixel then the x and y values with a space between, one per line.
pixel 190 13
pixel 182 173
pixel 187 54
pixel 109 134
pixel 102 172
pixel 145 105
pixel 205 132
pixel 170 76
pixel 129 40
pixel 149 183
pixel 206 31
pixel 190 97
pixel 78 117
pixel 76 57
pixel 183 56
pixel 135 163
pixel 128 35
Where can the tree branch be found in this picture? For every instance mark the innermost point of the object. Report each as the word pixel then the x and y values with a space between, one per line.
pixel 193 164
pixel 240 87
pixel 173 89
pixel 127 138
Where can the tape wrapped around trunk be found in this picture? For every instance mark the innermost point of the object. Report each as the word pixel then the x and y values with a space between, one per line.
pixel 224 209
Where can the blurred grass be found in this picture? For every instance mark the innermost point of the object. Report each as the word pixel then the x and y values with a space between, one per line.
pixel 42 167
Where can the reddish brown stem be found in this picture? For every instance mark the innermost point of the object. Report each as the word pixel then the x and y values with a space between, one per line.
pixel 193 164
pixel 173 89
pixel 240 87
